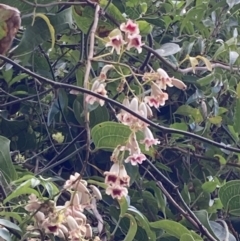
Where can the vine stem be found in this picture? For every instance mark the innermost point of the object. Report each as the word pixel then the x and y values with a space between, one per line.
pixel 86 82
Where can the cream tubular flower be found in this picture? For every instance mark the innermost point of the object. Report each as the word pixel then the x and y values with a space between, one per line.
pixel 164 80
pixel 149 140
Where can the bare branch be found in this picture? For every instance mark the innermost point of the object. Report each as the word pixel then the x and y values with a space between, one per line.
pixel 86 81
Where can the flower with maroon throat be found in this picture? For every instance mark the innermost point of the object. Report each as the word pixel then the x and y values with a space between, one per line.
pixel 157 97
pixel 117 191
pixel 149 139
pixel 115 41
pixel 135 41
pixel 130 27
pixel 117 176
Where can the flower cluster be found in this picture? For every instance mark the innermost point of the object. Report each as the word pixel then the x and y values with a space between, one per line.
pixel 132 38
pixel 67 220
pixel 117 179
pixel 159 82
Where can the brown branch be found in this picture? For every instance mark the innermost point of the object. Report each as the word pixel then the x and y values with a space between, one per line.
pixel 83 90
pixel 86 82
pixel 190 69
pixel 52 4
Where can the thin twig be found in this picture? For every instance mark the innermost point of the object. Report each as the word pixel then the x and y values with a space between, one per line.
pixel 24 98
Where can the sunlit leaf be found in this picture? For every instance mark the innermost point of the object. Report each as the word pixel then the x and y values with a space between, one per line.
pixel 21 191
pixel 123 206
pixel 144 27
pixel 193 62
pixel 187 237
pixel 221 159
pixel 50 27
pixel 206 62
pixel 216 120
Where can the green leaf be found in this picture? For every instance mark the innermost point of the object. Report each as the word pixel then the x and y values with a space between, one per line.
pixel 113 11
pixel 39 32
pixel 142 222
pixel 238 90
pixel 9 224
pixel 24 178
pixel 221 159
pixel 229 195
pixel 108 135
pixel 236 124
pixel 60 103
pixel 179 126
pixel 26 8
pixel 123 206
pixel 171 227
pixel 13 215
pixel 202 216
pixel 206 80
pixel 7 167
pixel 216 120
pixel 143 7
pixel 20 191
pixel 158 195
pixel 187 110
pixel 132 228
pixel 17 78
pixel 187 237
pixel 144 27
pixel 209 186
pixel 7 75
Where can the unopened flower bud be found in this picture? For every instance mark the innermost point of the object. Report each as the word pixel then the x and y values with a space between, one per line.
pixel 179 84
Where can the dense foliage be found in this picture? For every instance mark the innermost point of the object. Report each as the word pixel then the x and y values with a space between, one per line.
pixel 119 120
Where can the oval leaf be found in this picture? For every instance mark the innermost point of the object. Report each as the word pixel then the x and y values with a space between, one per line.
pixel 171 227
pixel 7 167
pixel 9 224
pixel 229 195
pixel 168 49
